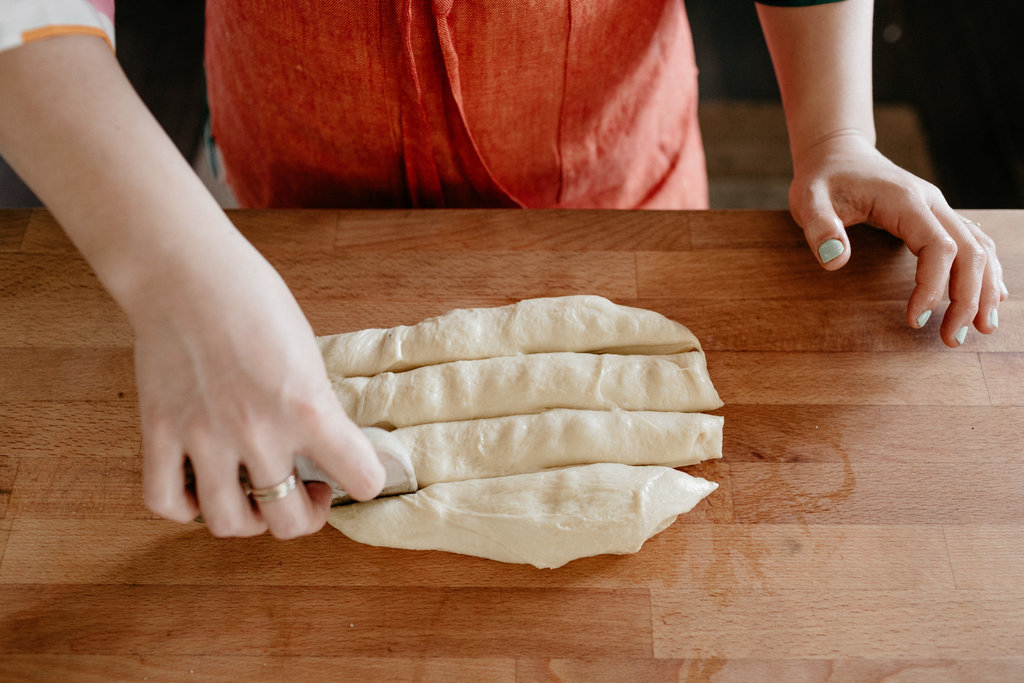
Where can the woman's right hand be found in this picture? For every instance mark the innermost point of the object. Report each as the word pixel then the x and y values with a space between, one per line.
pixel 229 375
pixel 228 370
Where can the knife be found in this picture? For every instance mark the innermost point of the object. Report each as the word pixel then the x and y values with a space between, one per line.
pixel 400 477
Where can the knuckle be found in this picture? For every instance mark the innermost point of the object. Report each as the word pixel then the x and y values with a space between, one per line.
pixel 224 526
pixel 947 248
pixel 974 255
pixel 915 197
pixel 161 503
pixel 262 465
pixel 197 430
pixel 931 193
pixel 314 407
pixel 153 419
pixel 308 408
pixel 290 528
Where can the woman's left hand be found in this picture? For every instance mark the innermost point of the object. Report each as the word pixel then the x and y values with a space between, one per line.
pixel 843 180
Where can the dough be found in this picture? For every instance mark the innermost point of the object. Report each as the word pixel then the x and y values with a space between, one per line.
pixel 572 323
pixel 541 432
pixel 511 385
pixel 545 519
pixel 517 444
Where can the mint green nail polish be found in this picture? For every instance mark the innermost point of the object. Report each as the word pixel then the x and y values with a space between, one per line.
pixel 922 319
pixel 830 249
pixel 960 335
pixel 993 318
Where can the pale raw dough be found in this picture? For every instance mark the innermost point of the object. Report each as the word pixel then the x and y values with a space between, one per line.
pixel 540 430
pixel 571 323
pixel 512 385
pixel 517 444
pixel 545 519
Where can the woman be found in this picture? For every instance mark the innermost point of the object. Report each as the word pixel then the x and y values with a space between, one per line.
pixel 576 103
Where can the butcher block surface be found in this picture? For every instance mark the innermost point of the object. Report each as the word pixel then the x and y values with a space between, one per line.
pixel 869 525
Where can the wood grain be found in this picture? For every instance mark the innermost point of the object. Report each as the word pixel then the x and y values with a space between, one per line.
pixel 46 276
pixel 427 275
pixel 12 228
pixel 1004 376
pixel 535 230
pixel 876 493
pixel 5 532
pixel 321 622
pixel 774 275
pixel 838 378
pixel 715 556
pixel 825 326
pixel 43 235
pixel 66 374
pixel 44 322
pixel 101 668
pixel 68 428
pixel 329 316
pixel 8 473
pixel 720 670
pixel 717 508
pixel 936 435
pixel 867 525
pixel 95 487
pixel 837 624
pixel 270 668
pixel 732 230
pixel 986 556
pixel 287 231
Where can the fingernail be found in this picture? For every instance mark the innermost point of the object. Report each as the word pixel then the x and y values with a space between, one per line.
pixel 922 319
pixel 1002 286
pixel 993 318
pixel 829 250
pixel 960 335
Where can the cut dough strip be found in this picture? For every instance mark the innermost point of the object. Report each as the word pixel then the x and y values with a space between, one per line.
pixel 545 519
pixel 573 323
pixel 519 444
pixel 513 385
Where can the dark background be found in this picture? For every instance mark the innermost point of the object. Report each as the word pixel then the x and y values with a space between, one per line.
pixel 958 65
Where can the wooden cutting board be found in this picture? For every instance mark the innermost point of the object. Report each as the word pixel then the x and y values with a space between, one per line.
pixel 869 523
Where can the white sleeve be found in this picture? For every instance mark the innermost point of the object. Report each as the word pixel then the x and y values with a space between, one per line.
pixel 22 21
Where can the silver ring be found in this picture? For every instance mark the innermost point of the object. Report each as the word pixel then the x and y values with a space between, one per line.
pixel 968 221
pixel 275 492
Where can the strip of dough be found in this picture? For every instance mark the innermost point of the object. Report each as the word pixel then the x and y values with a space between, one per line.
pixel 545 519
pixel 514 385
pixel 518 444
pixel 572 323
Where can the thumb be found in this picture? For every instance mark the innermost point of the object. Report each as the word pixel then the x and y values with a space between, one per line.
pixel 338 446
pixel 823 229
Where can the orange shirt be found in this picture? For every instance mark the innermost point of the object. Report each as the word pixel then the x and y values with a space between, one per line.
pixel 399 103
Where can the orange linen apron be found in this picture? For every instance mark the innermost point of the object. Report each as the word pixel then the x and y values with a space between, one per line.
pixel 457 103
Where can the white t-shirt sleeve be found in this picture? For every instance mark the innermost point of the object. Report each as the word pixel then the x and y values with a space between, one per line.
pixel 22 21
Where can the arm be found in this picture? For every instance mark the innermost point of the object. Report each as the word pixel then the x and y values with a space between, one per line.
pixel 822 57
pixel 227 366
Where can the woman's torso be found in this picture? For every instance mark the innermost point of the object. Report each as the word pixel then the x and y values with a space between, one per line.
pixel 393 103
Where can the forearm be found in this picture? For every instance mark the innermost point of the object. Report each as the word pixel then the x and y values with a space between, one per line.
pixel 228 370
pixel 822 58
pixel 74 129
